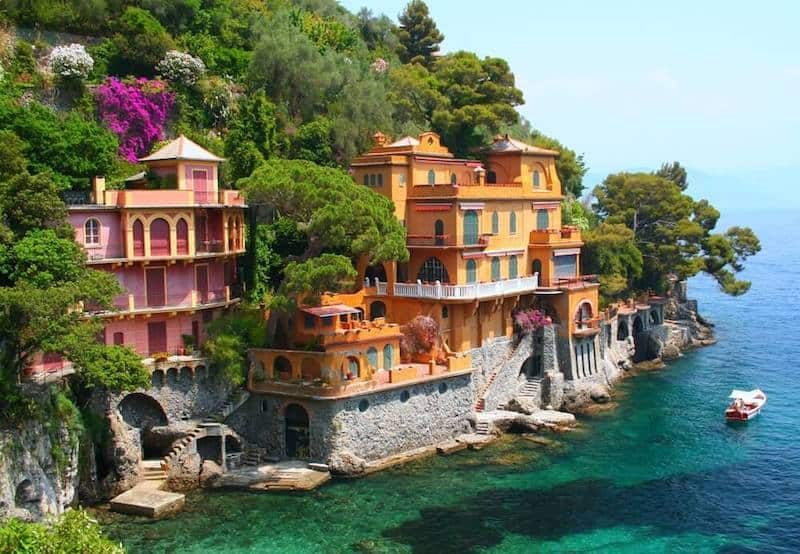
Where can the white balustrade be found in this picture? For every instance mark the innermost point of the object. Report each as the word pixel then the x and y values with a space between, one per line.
pixel 472 291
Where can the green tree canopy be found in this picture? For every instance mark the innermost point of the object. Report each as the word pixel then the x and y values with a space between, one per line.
pixel 611 253
pixel 418 35
pixel 481 98
pixel 140 43
pixel 674 232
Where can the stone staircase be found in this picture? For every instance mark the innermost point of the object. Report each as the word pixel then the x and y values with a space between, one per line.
pixel 482 427
pixel 480 404
pixel 233 402
pixel 532 388
pixel 153 474
pixel 253 456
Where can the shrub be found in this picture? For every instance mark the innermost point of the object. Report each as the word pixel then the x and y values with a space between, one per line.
pixel 379 66
pixel 75 531
pixel 219 99
pixel 419 336
pixel 140 43
pixel 181 67
pixel 71 61
pixel 136 112
pixel 531 320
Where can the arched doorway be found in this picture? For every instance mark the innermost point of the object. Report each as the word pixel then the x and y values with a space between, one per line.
pixel 622 330
pixel 143 412
pixel 281 368
pixel 640 341
pixel 433 270
pixel 532 367
pixel 182 237
pixel 350 368
pixel 138 238
pixel 376 271
pixel 296 429
pixel 377 309
pixel 159 237
pixel 438 232
pixel 583 316
pixel 536 268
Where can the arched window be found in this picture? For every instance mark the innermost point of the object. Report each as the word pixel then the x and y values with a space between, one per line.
pixel 431 177
pixel 453 179
pixel 512 223
pixel 91 232
pixel 542 220
pixel 471 227
pixel 472 271
pixel 438 232
pixel 495 223
pixel 433 270
pixel 182 237
pixel 159 237
pixel 366 179
pixel 512 267
pixel 372 180
pixel 281 368
pixel 351 365
pixel 491 177
pixel 380 179
pixel 536 268
pixel 372 356
pixel 388 357
pixel 495 269
pixel 536 182
pixel 138 238
pixel 377 309
pixel 584 315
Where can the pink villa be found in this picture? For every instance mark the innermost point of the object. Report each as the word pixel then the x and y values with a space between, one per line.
pixel 171 236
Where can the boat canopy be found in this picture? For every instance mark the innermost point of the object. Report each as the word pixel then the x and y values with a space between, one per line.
pixel 745 395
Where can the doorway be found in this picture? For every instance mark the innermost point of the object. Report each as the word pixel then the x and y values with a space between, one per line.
pixel 296 427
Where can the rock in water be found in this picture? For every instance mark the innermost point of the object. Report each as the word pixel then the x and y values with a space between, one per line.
pixel 209 473
pixel 346 463
pixel 599 393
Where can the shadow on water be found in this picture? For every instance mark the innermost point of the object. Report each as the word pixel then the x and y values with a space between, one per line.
pixel 672 505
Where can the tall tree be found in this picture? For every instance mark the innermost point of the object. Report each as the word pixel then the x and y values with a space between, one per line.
pixel 418 35
pixel 674 172
pixel 330 221
pixel 674 232
pixel 481 96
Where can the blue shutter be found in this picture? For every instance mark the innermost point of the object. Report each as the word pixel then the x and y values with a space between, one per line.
pixel 512 267
pixel 542 220
pixel 495 269
pixel 388 357
pixel 470 227
pixel 472 271
pixel 372 356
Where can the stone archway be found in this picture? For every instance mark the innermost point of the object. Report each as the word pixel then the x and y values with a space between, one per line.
pixel 641 341
pixel 296 429
pixel 622 330
pixel 377 309
pixel 143 412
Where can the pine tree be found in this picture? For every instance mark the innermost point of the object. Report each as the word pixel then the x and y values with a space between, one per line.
pixel 419 37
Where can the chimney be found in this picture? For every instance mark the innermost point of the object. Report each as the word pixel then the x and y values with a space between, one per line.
pixel 379 139
pixel 98 188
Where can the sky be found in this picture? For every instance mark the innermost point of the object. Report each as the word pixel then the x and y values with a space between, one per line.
pixel 714 85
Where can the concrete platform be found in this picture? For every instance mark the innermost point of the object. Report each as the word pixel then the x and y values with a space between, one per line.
pixel 450 447
pixel 291 475
pixel 144 500
pixel 475 441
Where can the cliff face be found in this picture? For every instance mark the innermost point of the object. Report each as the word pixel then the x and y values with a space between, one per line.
pixel 38 471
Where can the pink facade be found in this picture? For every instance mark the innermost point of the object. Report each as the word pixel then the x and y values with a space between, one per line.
pixel 172 250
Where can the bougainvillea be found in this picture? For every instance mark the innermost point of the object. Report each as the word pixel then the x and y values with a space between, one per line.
pixel 419 335
pixel 136 112
pixel 531 319
pixel 181 68
pixel 71 61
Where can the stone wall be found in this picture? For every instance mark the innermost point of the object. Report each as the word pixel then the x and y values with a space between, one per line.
pixel 185 394
pixel 31 486
pixel 369 426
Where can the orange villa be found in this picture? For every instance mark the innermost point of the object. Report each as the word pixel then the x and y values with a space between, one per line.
pixel 485 240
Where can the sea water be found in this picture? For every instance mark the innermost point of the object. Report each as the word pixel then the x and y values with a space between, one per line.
pixel 663 472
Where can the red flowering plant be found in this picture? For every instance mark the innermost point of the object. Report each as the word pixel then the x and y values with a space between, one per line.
pixel 419 336
pixel 136 111
pixel 531 319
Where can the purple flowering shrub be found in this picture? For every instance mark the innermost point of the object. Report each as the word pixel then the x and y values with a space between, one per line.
pixel 136 111
pixel 531 320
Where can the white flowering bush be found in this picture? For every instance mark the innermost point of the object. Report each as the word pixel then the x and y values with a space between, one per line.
pixel 181 67
pixel 219 99
pixel 71 61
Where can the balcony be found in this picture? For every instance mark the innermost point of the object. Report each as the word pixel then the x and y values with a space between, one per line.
pixel 446 241
pixel 586 327
pixel 570 282
pixel 131 304
pixel 154 198
pixel 447 190
pixel 555 236
pixel 472 291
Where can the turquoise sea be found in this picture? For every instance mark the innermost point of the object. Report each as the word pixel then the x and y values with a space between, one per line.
pixel 661 473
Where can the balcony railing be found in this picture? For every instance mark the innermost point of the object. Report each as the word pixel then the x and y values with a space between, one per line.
pixel 569 282
pixel 551 236
pixel 136 303
pixel 211 246
pixel 472 291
